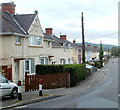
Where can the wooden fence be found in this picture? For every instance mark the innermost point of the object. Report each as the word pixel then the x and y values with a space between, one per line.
pixel 50 81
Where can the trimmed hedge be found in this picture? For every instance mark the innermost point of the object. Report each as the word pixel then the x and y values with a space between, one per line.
pixel 77 73
pixel 49 69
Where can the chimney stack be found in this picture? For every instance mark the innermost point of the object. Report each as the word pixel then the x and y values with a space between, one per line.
pixel 88 45
pixel 49 31
pixel 95 46
pixel 8 7
pixel 63 37
pixel 74 41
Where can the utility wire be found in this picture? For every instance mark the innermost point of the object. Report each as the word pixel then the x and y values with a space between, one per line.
pixel 107 35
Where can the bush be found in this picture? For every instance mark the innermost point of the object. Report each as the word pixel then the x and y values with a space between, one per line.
pixel 97 64
pixel 77 73
pixel 49 69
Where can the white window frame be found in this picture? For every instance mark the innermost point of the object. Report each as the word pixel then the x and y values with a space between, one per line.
pixel 30 69
pixel 62 61
pixel 17 40
pixel 44 58
pixel 35 41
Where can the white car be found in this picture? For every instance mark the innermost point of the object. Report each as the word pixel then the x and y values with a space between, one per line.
pixel 8 88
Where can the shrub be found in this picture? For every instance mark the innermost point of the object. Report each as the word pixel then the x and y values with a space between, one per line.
pixel 98 64
pixel 49 69
pixel 77 73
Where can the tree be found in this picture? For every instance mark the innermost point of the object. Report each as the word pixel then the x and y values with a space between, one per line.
pixel 101 55
pixel 115 51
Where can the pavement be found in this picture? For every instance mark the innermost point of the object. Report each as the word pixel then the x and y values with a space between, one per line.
pixel 33 96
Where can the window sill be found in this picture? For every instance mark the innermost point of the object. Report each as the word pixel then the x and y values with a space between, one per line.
pixel 18 44
pixel 31 74
pixel 35 46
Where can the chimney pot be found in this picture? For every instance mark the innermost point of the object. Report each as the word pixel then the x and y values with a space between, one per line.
pixel 36 12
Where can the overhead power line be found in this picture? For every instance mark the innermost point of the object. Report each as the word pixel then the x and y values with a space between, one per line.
pixel 104 36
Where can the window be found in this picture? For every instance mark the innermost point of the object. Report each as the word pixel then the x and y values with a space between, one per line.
pixel 39 40
pixel 35 40
pixel 30 66
pixel 62 61
pixel 49 43
pixel 27 65
pixel 44 61
pixel 18 40
pixel 68 61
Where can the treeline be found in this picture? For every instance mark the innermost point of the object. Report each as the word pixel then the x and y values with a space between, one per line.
pixel 115 51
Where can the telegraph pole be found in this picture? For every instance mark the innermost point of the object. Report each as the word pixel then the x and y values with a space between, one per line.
pixel 83 40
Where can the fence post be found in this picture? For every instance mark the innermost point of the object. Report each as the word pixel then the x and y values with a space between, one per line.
pixel 68 80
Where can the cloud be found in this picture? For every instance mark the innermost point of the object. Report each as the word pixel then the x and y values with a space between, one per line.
pixel 100 16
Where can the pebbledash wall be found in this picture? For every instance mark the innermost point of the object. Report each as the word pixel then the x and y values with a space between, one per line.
pixel 14 55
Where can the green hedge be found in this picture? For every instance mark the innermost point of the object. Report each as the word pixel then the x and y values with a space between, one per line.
pixel 49 69
pixel 77 73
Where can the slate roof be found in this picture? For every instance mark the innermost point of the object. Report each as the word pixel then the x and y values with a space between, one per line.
pixel 48 36
pixel 9 25
pixel 16 23
pixel 57 42
pixel 25 20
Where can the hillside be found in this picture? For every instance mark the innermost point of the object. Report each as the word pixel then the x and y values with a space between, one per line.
pixel 105 46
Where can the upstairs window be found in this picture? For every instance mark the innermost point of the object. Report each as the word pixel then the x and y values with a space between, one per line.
pixel 18 40
pixel 35 41
pixel 39 40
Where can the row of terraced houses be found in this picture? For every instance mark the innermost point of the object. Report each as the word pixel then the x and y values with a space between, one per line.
pixel 24 45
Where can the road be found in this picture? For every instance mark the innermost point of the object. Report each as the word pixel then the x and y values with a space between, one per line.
pixel 103 94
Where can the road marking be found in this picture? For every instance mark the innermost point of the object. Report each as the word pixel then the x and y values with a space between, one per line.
pixel 21 106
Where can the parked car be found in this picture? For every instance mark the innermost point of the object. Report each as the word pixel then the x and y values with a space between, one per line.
pixel 7 88
pixel 92 68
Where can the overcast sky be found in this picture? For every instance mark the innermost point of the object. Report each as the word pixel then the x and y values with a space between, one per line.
pixel 64 16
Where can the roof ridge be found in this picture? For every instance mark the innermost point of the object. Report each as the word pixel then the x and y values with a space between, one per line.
pixel 23 14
